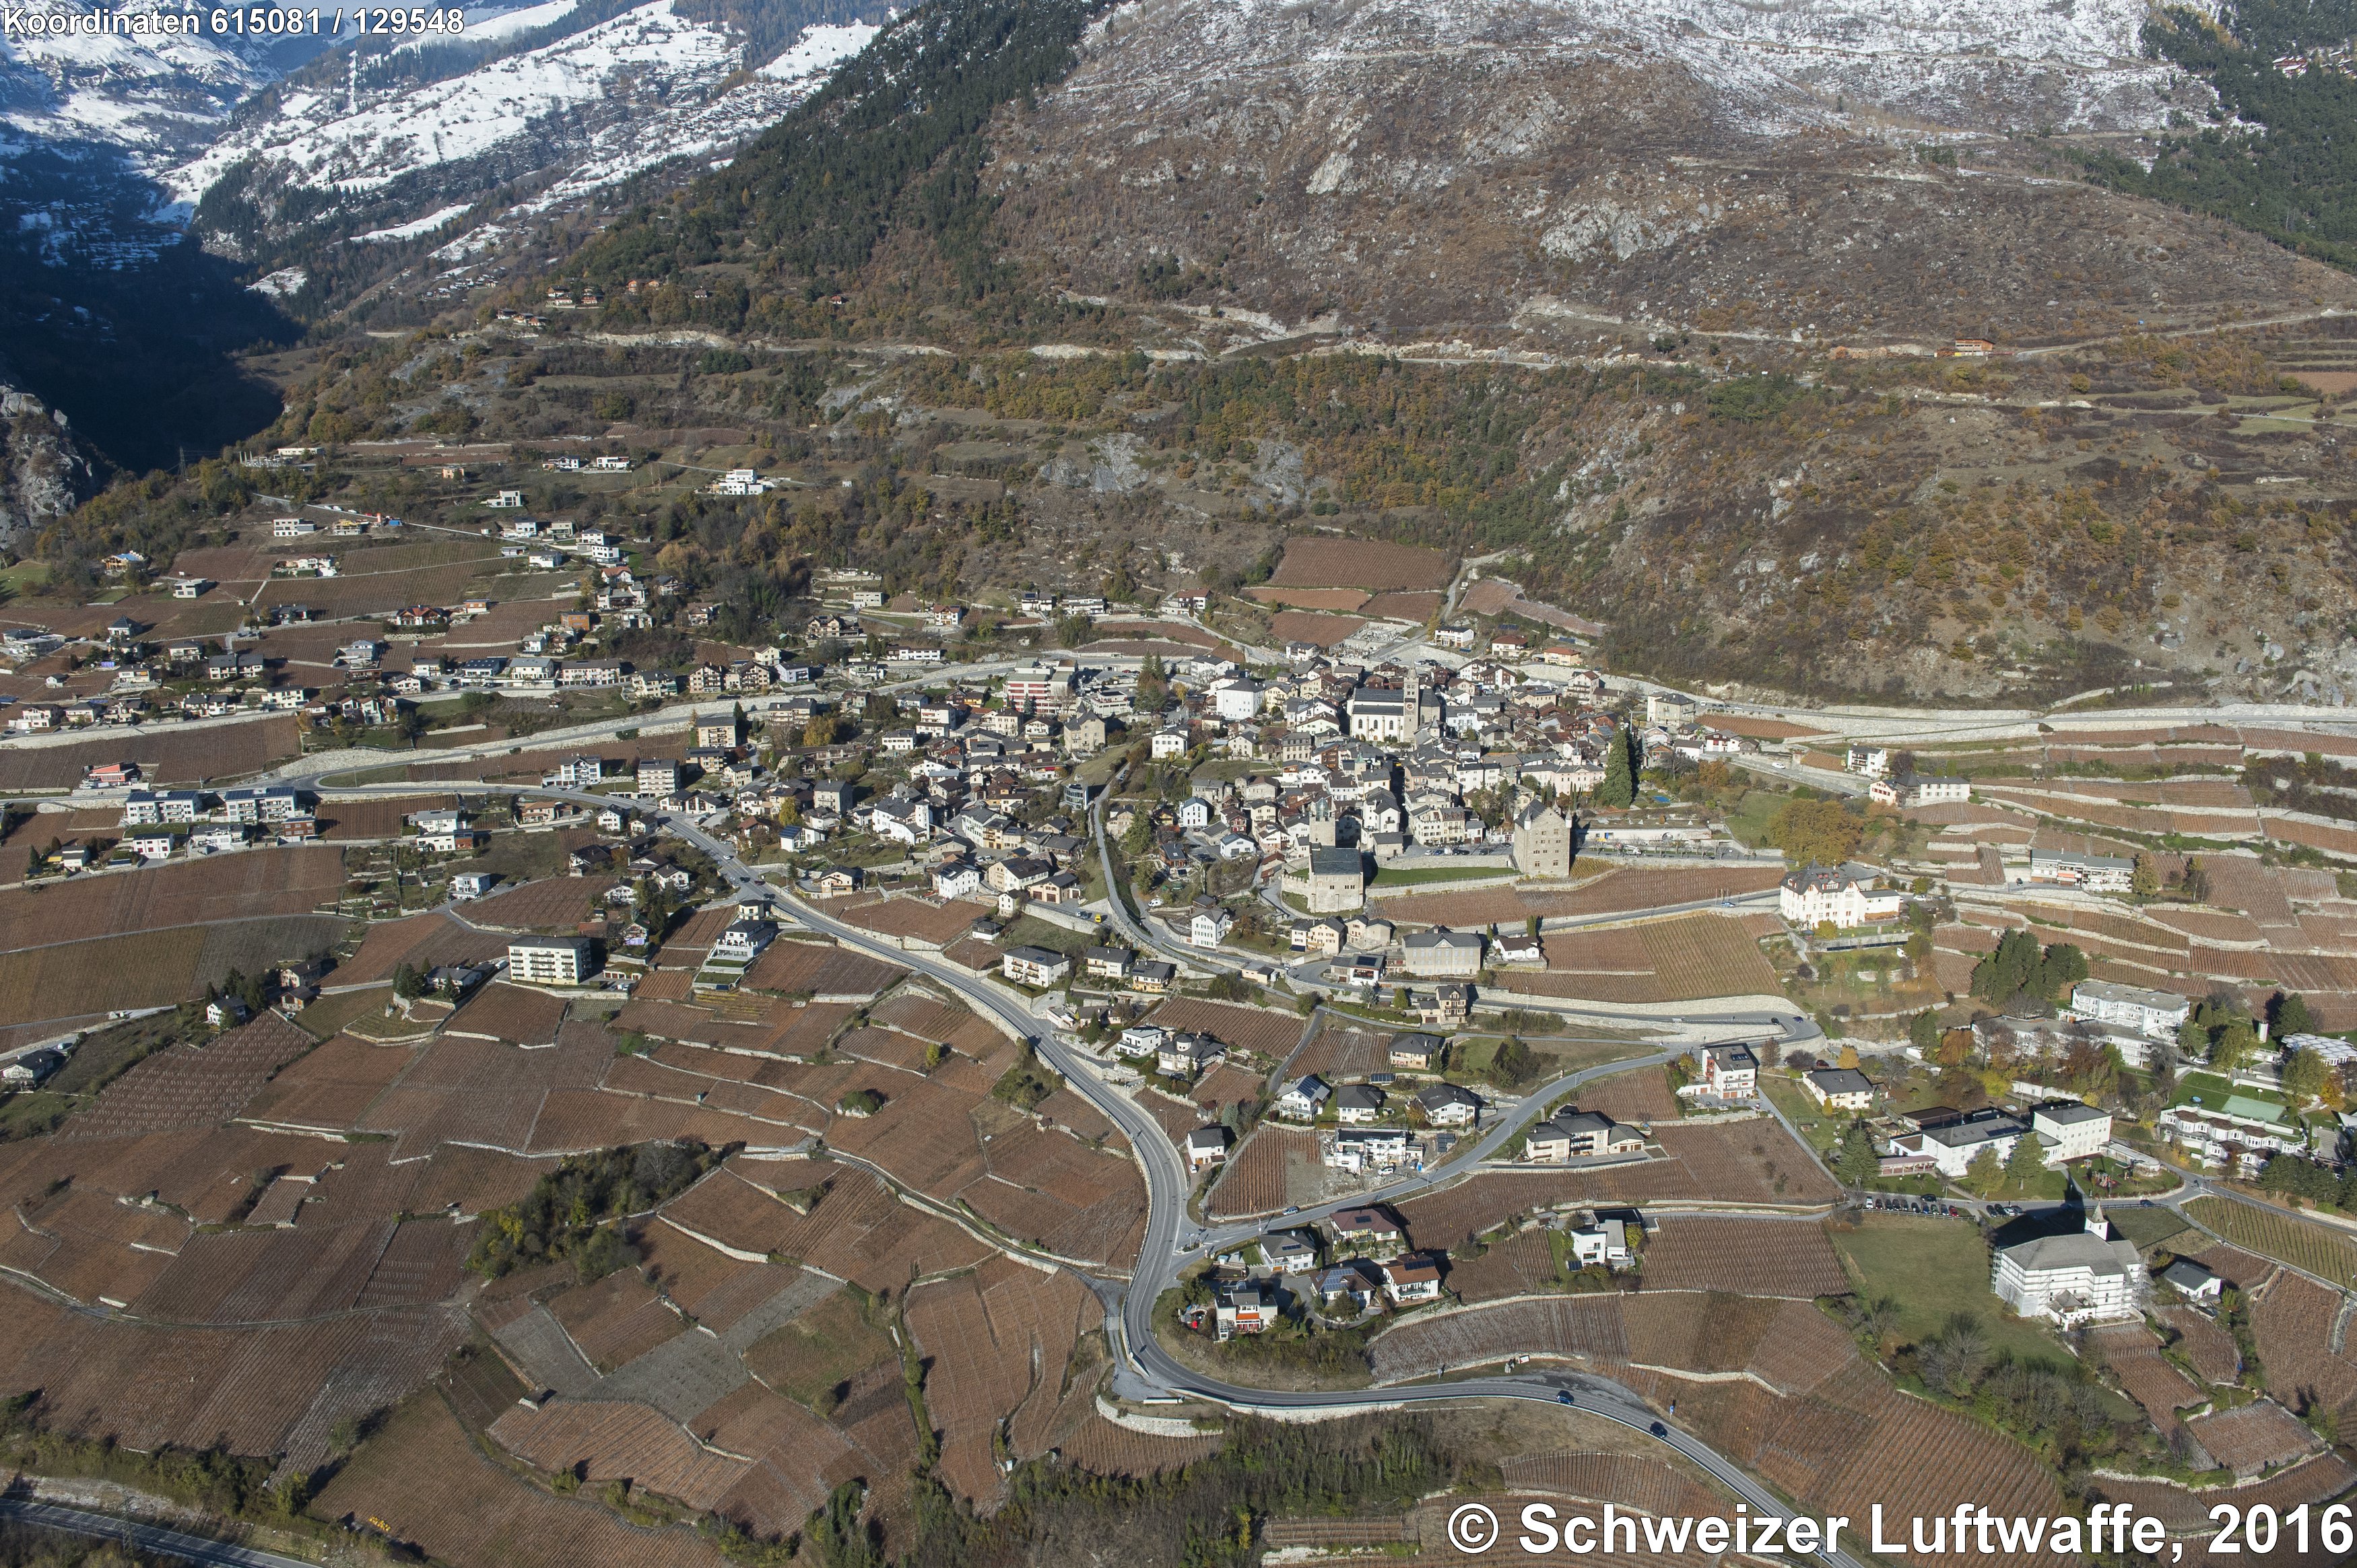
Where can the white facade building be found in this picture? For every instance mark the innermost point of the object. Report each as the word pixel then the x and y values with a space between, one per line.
pixel 550 961
pixel 2083 1277
pixel 2069 1131
pixel 1838 895
pixel 2154 1014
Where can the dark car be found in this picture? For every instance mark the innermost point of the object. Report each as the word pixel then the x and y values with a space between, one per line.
pixel 1658 1430
pixel 1563 1396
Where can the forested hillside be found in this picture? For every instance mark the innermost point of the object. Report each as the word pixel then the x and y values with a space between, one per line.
pixel 2294 178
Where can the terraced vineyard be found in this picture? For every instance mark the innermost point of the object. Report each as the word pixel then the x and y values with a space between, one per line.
pixel 2325 1254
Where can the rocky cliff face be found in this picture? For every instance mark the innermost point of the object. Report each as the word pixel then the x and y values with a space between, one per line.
pixel 43 476
pixel 1561 169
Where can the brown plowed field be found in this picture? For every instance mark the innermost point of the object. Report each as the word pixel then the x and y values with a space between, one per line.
pixel 938 924
pixel 475 1181
pixel 176 755
pixel 222 887
pixel 331 1088
pixel 149 1387
pixel 1101 1447
pixel 1445 1218
pixel 1677 959
pixel 424 1263
pixel 1343 1048
pixel 1264 1172
pixel 577 1121
pixel 618 1441
pixel 857 1231
pixel 1521 1264
pixel 1649 1485
pixel 421 1475
pixel 1584 1326
pixel 1307 626
pixel 1372 564
pixel 2210 1348
pixel 821 969
pixel 2252 1437
pixel 616 1319
pixel 2294 1320
pixel 995 1340
pixel 191 1086
pixel 1341 601
pixel 2133 1356
pixel 1641 1095
pixel 1747 1162
pixel 1415 608
pixel 1250 1029
pixel 76 980
pixel 423 942
pixel 234 1277
pixel 516 1013
pixel 376 818
pixel 1622 890
pixel 1754 1257
pixel 554 904
pixel 204 1171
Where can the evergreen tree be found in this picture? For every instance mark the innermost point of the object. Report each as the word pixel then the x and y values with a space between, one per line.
pixel 2288 1014
pixel 1923 1032
pixel 2304 1074
pixel 2026 1163
pixel 1620 786
pixel 2235 1043
pixel 1855 1161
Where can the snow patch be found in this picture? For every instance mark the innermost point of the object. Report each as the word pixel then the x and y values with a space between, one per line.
pixel 818 52
pixel 283 284
pixel 412 230
pixel 498 24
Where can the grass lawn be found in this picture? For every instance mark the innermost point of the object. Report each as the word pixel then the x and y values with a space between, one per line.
pixel 330 1014
pixel 1029 931
pixel 368 776
pixel 1392 876
pixel 1100 768
pixel 2048 1185
pixel 24 578
pixel 1749 821
pixel 29 1112
pixel 2209 1091
pixel 2148 1228
pixel 517 856
pixel 867 852
pixel 808 1358
pixel 1933 1268
pixel 1822 1128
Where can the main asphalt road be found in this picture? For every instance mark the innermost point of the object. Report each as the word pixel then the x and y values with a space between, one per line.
pixel 156 1539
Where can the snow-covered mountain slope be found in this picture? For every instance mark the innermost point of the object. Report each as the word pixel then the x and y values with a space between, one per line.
pixel 149 91
pixel 2067 65
pixel 605 102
